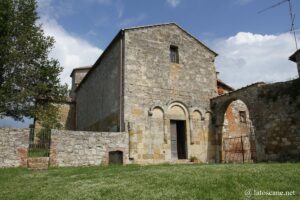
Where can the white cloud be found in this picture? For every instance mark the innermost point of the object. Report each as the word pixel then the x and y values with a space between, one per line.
pixel 70 50
pixel 247 58
pixel 173 3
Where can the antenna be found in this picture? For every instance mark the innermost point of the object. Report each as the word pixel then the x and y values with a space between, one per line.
pixel 292 16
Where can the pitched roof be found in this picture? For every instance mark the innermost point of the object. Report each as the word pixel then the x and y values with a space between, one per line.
pixel 174 24
pixel 121 33
pixel 225 85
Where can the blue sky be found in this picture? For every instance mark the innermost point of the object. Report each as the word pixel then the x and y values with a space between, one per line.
pixel 97 21
pixel 252 47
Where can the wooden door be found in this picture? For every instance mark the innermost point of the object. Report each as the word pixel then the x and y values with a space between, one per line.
pixel 174 154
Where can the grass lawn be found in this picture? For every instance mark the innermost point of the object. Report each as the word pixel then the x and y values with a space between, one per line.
pixel 152 182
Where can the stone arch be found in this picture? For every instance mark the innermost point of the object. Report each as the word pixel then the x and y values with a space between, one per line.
pixel 178 127
pixel 236 135
pixel 251 95
pixel 222 107
pixel 180 107
pixel 150 112
pixel 200 111
pixel 178 103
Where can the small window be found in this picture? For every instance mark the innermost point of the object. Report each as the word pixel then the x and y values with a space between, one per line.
pixel 115 157
pixel 243 116
pixel 174 58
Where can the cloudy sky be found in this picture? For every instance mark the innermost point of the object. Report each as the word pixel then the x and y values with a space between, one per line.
pixel 252 47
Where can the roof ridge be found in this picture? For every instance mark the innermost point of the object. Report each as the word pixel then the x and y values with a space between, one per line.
pixel 150 25
pixel 171 23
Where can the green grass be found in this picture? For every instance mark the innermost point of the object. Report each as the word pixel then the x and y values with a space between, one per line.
pixel 151 182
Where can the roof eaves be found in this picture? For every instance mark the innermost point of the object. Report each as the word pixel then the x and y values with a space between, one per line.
pixel 80 68
pixel 119 34
pixel 226 85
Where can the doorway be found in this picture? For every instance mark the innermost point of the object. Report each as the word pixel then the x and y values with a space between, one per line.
pixel 178 139
pixel 115 157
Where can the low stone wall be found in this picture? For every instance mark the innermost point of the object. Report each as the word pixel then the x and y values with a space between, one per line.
pixel 14 145
pixel 82 148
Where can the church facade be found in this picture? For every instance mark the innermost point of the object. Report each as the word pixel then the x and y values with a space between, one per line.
pixel 154 82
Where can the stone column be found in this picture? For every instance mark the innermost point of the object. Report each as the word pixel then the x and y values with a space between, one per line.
pixel 191 129
pixel 166 121
pixel 218 138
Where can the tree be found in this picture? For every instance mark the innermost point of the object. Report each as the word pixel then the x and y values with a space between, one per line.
pixel 29 79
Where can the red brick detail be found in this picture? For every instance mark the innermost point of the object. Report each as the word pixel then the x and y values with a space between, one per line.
pixel 22 155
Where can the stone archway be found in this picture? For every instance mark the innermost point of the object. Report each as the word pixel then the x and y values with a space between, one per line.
pixel 249 95
pixel 237 138
pixel 179 128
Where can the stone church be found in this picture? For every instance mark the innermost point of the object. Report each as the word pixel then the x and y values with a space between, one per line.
pixel 153 96
pixel 157 87
pixel 155 82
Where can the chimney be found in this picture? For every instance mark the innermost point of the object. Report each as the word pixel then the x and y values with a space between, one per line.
pixel 296 58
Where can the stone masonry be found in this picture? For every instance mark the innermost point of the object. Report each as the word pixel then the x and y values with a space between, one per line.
pixel 13 147
pixel 134 87
pixel 157 91
pixel 98 95
pixel 79 148
pixel 274 110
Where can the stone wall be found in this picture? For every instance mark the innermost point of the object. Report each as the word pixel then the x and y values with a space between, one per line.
pixel 66 116
pixel 274 110
pixel 233 125
pixel 98 96
pixel 14 145
pixel 78 148
pixel 157 91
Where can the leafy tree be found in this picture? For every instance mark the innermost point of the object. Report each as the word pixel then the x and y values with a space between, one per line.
pixel 29 78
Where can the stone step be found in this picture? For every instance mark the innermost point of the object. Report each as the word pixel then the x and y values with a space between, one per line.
pixel 38 163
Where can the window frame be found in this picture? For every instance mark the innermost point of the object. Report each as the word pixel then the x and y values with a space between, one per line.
pixel 243 116
pixel 174 54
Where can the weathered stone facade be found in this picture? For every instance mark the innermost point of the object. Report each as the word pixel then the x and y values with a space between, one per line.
pixel 134 87
pixel 98 95
pixel 233 125
pixel 157 91
pixel 13 147
pixel 79 148
pixel 274 112
pixel 169 109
